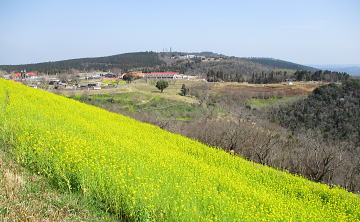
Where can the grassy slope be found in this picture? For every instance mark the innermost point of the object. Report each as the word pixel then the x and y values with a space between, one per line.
pixel 132 102
pixel 27 196
pixel 140 171
pixel 258 103
pixel 172 92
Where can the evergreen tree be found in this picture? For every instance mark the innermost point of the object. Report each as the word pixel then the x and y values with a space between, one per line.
pixel 161 85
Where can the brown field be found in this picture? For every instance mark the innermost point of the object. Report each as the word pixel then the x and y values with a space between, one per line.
pixel 243 90
pixel 267 90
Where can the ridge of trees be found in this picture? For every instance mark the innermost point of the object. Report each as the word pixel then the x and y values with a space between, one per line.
pixel 122 61
pixel 332 109
pixel 278 76
pixel 236 68
pixel 280 64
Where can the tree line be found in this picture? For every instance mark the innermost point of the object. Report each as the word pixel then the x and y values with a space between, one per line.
pixel 320 75
pixel 332 109
pixel 265 77
pixel 123 61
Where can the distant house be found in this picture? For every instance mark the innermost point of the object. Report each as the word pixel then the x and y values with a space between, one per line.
pixel 83 86
pixel 62 84
pixel 183 57
pixel 53 81
pixel 182 76
pixel 161 75
pixel 110 75
pixel 31 75
pixel 16 75
pixel 24 75
pixel 93 84
pixel 137 74
pixel 95 76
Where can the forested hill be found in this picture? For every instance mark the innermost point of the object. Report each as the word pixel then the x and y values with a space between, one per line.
pixel 280 64
pixel 332 109
pixel 121 61
pixel 199 64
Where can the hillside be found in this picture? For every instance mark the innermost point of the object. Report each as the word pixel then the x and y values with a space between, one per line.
pixel 121 61
pixel 151 61
pixel 27 196
pixel 280 64
pixel 141 172
pixel 332 109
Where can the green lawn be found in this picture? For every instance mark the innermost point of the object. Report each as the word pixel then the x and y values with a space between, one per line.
pixel 265 104
pixel 131 102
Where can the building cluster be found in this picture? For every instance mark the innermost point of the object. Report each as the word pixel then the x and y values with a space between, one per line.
pixel 183 57
pixel 97 75
pixel 199 57
pixel 81 81
pixel 159 75
pixel 23 75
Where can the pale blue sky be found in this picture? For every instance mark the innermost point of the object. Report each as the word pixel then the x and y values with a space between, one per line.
pixel 306 32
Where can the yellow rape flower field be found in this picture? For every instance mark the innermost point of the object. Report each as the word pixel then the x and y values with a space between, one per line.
pixel 143 173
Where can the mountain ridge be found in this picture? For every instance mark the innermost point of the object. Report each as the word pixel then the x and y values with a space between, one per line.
pixel 149 59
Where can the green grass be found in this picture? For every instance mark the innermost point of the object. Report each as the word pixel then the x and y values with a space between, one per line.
pixel 142 173
pixel 27 196
pixel 265 104
pixel 132 102
pixel 146 87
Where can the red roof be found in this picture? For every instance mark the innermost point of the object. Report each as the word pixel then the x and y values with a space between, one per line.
pixel 165 73
pixel 16 74
pixel 31 74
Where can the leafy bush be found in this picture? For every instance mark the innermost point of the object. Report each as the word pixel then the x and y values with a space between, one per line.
pixel 161 85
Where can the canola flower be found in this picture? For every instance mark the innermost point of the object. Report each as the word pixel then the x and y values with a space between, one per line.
pixel 143 173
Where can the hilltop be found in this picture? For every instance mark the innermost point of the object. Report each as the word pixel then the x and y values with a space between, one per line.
pixel 121 61
pixel 195 63
pixel 280 64
pixel 332 109
pixel 141 172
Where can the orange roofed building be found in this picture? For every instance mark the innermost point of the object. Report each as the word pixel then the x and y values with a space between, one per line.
pixel 23 75
pixel 31 74
pixel 137 74
pixel 16 75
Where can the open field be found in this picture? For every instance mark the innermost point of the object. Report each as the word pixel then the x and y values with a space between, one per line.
pixel 267 90
pixel 172 92
pixel 268 103
pixel 130 103
pixel 141 172
pixel 142 86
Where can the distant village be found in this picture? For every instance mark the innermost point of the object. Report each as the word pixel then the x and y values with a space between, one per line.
pixel 89 81
pixel 202 58
pixel 97 80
